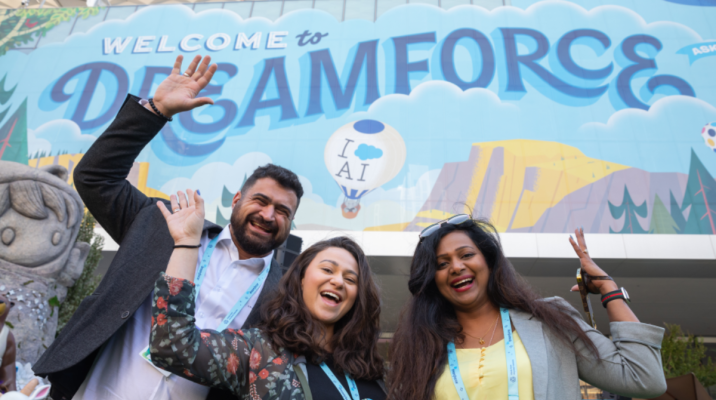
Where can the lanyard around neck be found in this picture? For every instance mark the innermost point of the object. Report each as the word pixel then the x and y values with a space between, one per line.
pixel 351 384
pixel 253 288
pixel 512 391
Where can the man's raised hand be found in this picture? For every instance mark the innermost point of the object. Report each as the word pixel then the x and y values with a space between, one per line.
pixel 186 218
pixel 178 91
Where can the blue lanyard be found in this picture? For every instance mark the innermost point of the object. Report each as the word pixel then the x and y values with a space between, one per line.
pixel 512 391
pixel 253 288
pixel 339 386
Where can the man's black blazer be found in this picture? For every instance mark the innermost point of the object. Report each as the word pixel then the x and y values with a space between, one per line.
pixel 134 221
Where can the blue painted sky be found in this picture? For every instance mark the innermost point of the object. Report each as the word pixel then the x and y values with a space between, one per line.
pixel 438 121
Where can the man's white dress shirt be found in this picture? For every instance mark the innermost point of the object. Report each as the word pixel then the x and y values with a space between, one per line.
pixel 119 373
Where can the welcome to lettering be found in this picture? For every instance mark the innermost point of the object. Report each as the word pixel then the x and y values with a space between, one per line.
pixel 322 91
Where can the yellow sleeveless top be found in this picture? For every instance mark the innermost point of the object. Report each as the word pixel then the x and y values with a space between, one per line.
pixel 484 373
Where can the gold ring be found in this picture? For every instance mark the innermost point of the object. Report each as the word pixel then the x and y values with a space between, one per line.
pixel 585 251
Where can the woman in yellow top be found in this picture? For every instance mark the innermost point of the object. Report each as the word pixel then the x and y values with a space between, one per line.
pixel 475 330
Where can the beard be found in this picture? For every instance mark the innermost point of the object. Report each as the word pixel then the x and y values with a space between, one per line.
pixel 246 239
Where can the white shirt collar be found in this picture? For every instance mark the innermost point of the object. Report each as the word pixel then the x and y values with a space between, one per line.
pixel 226 240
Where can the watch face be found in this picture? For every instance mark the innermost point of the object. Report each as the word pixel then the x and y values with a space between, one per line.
pixel 626 295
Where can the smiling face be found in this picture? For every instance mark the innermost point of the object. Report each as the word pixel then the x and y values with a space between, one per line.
pixel 261 218
pixel 462 272
pixel 330 285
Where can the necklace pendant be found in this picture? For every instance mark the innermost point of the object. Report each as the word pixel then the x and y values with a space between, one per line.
pixel 482 341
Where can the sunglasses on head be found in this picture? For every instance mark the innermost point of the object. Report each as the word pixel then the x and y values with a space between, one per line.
pixel 454 220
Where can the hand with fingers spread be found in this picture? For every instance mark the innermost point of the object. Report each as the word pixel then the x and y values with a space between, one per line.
pixel 186 219
pixel 589 266
pixel 177 93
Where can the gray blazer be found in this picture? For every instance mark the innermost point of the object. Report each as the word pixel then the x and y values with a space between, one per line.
pixel 630 365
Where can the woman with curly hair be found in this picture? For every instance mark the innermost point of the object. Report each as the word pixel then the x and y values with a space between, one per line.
pixel 473 329
pixel 319 338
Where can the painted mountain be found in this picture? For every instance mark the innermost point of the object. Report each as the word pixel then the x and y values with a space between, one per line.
pixel 537 186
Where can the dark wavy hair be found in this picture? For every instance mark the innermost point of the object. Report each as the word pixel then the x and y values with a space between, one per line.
pixel 284 177
pixel 289 324
pixel 428 322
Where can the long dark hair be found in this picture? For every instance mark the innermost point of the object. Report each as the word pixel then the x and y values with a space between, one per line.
pixel 289 324
pixel 428 322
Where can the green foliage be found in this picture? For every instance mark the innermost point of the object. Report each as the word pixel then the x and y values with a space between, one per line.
pixel 53 302
pixel 10 325
pixel 87 282
pixel 21 26
pixel 682 354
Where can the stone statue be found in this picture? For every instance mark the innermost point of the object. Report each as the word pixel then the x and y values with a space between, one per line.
pixel 7 348
pixel 40 217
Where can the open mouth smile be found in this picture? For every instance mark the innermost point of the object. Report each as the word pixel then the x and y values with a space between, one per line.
pixel 331 298
pixel 462 283
pixel 260 229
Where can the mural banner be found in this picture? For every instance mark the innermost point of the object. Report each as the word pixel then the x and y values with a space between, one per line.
pixel 540 118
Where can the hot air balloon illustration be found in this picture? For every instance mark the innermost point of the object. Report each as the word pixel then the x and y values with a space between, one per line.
pixel 708 132
pixel 362 156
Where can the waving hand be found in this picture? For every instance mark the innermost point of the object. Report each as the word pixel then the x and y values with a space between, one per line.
pixel 178 91
pixel 186 219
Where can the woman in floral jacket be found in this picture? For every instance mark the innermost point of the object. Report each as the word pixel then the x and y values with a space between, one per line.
pixel 320 335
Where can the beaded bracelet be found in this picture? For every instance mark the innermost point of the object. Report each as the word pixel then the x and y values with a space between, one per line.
pixel 156 110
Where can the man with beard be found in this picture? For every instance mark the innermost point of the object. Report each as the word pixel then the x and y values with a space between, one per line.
pixel 100 353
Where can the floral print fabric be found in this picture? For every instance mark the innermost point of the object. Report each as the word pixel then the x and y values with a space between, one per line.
pixel 241 361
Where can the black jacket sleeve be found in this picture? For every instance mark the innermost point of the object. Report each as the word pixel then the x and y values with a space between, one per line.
pixel 100 177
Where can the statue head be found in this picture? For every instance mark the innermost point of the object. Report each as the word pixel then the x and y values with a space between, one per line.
pixel 40 216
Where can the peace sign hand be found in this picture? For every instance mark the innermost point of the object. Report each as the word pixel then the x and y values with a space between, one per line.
pixel 186 221
pixel 589 266
pixel 178 91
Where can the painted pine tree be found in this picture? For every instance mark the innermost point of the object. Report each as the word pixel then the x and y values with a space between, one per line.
pixel 661 220
pixel 13 136
pixel 630 211
pixel 5 95
pixel 227 197
pixel 676 213
pixel 701 196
